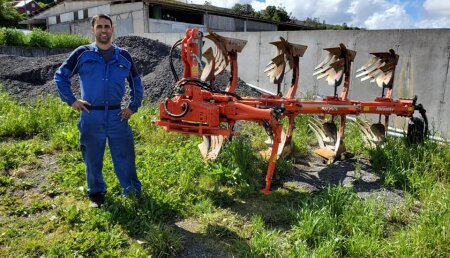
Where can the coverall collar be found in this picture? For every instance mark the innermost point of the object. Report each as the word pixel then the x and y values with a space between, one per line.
pixel 95 48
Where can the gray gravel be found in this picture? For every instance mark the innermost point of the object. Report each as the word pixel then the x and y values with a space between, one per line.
pixel 28 78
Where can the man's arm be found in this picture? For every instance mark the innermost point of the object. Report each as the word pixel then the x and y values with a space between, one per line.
pixel 63 75
pixel 137 91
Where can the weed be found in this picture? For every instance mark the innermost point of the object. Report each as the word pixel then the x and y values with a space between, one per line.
pixel 237 164
pixel 412 167
pixel 353 139
pixel 302 136
pixel 40 38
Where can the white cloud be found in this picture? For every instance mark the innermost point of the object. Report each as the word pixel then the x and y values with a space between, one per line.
pixel 437 7
pixel 361 10
pixel 442 22
pixel 436 14
pixel 393 18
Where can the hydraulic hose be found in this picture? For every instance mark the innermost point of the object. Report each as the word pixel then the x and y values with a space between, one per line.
pixel 183 113
pixel 174 72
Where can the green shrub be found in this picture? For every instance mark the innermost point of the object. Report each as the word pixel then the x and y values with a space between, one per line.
pixel 40 38
pixel 2 36
pixel 65 40
pixel 14 37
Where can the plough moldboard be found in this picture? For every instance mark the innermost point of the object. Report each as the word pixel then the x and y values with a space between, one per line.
pixel 197 107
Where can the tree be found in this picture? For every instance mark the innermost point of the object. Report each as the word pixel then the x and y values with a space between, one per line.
pixel 42 4
pixel 243 9
pixel 8 15
pixel 344 26
pixel 315 22
pixel 275 14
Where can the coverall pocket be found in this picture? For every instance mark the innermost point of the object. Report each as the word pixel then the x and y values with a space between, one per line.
pixel 119 72
pixel 89 67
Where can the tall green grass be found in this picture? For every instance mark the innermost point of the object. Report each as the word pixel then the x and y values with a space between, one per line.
pixel 12 37
pixel 42 118
pixel 415 168
pixel 40 38
pixel 44 208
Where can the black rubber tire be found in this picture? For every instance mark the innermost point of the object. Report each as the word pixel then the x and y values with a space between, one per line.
pixel 416 131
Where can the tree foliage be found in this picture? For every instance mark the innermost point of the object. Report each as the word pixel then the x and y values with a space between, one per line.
pixel 279 14
pixel 274 13
pixel 42 4
pixel 271 12
pixel 243 9
pixel 8 15
pixel 322 25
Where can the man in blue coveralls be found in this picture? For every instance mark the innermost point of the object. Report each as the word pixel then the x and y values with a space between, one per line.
pixel 103 68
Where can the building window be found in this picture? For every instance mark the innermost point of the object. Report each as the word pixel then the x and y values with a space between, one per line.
pixel 58 19
pixel 85 14
pixel 75 15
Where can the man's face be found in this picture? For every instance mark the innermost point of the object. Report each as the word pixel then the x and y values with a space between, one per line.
pixel 103 30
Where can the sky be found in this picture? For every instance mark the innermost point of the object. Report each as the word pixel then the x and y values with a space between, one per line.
pixel 368 14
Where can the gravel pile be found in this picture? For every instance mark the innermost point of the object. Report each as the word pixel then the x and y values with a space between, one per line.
pixel 27 78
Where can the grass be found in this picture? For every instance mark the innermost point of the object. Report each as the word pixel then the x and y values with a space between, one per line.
pixel 43 208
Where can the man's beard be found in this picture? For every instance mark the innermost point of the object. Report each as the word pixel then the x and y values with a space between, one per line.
pixel 102 39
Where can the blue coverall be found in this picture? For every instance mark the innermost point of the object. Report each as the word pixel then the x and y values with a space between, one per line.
pixel 103 86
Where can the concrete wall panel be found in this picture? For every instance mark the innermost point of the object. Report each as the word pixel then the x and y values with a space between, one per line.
pixel 423 72
pixel 266 53
pixel 252 55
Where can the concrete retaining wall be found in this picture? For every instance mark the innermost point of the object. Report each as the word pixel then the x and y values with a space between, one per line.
pixel 423 67
pixel 32 51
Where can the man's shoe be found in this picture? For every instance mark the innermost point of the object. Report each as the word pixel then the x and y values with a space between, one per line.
pixel 94 205
pixel 97 199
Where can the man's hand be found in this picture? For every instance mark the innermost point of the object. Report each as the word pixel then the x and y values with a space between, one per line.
pixel 125 113
pixel 79 105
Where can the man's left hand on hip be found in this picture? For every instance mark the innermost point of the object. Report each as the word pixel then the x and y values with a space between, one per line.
pixel 125 113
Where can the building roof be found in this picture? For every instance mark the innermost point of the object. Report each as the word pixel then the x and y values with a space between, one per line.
pixel 221 11
pixel 194 7
pixel 22 3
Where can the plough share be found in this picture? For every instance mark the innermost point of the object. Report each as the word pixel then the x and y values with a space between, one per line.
pixel 197 107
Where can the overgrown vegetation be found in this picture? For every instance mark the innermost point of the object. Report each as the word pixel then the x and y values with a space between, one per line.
pixel 40 38
pixel 322 25
pixel 43 208
pixel 274 13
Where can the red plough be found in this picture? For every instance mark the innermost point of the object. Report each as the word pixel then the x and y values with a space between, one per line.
pixel 197 107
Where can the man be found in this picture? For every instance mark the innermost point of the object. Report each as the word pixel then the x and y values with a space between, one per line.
pixel 103 68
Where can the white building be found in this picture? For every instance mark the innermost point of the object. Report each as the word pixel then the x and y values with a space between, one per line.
pixel 148 16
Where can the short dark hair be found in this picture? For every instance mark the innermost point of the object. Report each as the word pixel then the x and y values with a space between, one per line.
pixel 98 16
